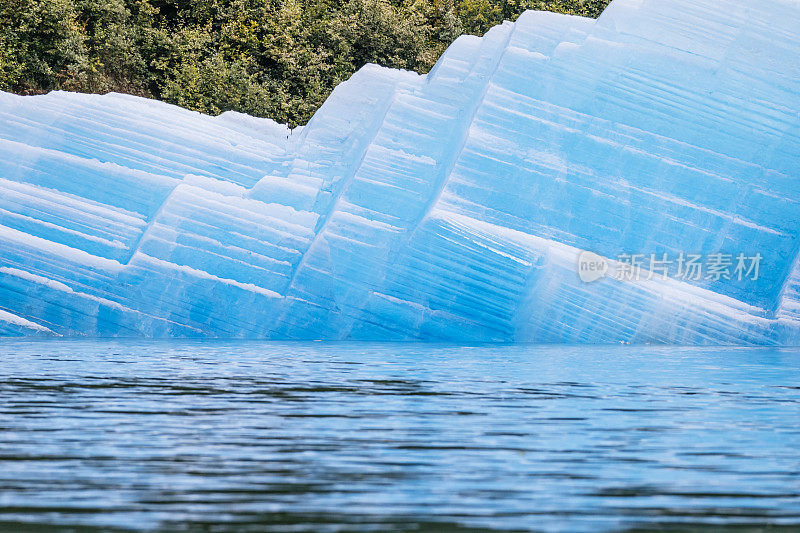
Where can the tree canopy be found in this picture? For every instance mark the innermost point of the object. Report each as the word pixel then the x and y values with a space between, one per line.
pixel 268 58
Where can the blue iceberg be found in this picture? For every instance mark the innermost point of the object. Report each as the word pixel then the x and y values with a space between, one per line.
pixel 561 180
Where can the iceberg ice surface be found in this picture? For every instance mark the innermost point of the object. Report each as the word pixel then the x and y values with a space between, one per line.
pixel 452 206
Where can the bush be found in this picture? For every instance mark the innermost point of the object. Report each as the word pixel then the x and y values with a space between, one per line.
pixel 273 58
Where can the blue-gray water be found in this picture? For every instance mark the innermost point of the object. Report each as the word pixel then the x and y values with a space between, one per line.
pixel 244 436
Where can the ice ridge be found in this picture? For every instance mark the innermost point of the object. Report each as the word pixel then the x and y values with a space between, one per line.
pixel 454 206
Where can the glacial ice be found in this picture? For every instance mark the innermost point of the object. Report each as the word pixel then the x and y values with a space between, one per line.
pixel 447 207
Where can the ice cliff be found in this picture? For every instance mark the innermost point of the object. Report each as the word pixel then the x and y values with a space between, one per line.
pixel 453 206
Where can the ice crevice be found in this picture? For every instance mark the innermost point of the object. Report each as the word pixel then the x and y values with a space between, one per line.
pixel 452 206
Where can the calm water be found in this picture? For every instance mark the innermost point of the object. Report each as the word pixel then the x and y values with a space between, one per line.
pixel 243 436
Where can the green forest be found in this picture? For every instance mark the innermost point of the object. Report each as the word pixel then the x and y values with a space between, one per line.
pixel 268 58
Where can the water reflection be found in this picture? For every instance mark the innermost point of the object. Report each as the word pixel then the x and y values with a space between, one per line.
pixel 240 436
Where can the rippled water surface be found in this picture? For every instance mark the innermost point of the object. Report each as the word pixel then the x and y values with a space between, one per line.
pixel 244 436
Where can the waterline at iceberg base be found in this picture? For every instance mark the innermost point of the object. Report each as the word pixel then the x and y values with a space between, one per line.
pixel 453 206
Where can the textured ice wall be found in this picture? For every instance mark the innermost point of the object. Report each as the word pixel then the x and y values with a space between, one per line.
pixel 452 206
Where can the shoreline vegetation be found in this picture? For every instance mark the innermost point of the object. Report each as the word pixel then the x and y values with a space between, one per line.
pixel 267 58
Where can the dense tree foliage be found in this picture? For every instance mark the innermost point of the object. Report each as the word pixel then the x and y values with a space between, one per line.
pixel 275 58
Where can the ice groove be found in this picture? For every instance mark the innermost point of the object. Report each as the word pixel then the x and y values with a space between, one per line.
pixel 452 206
